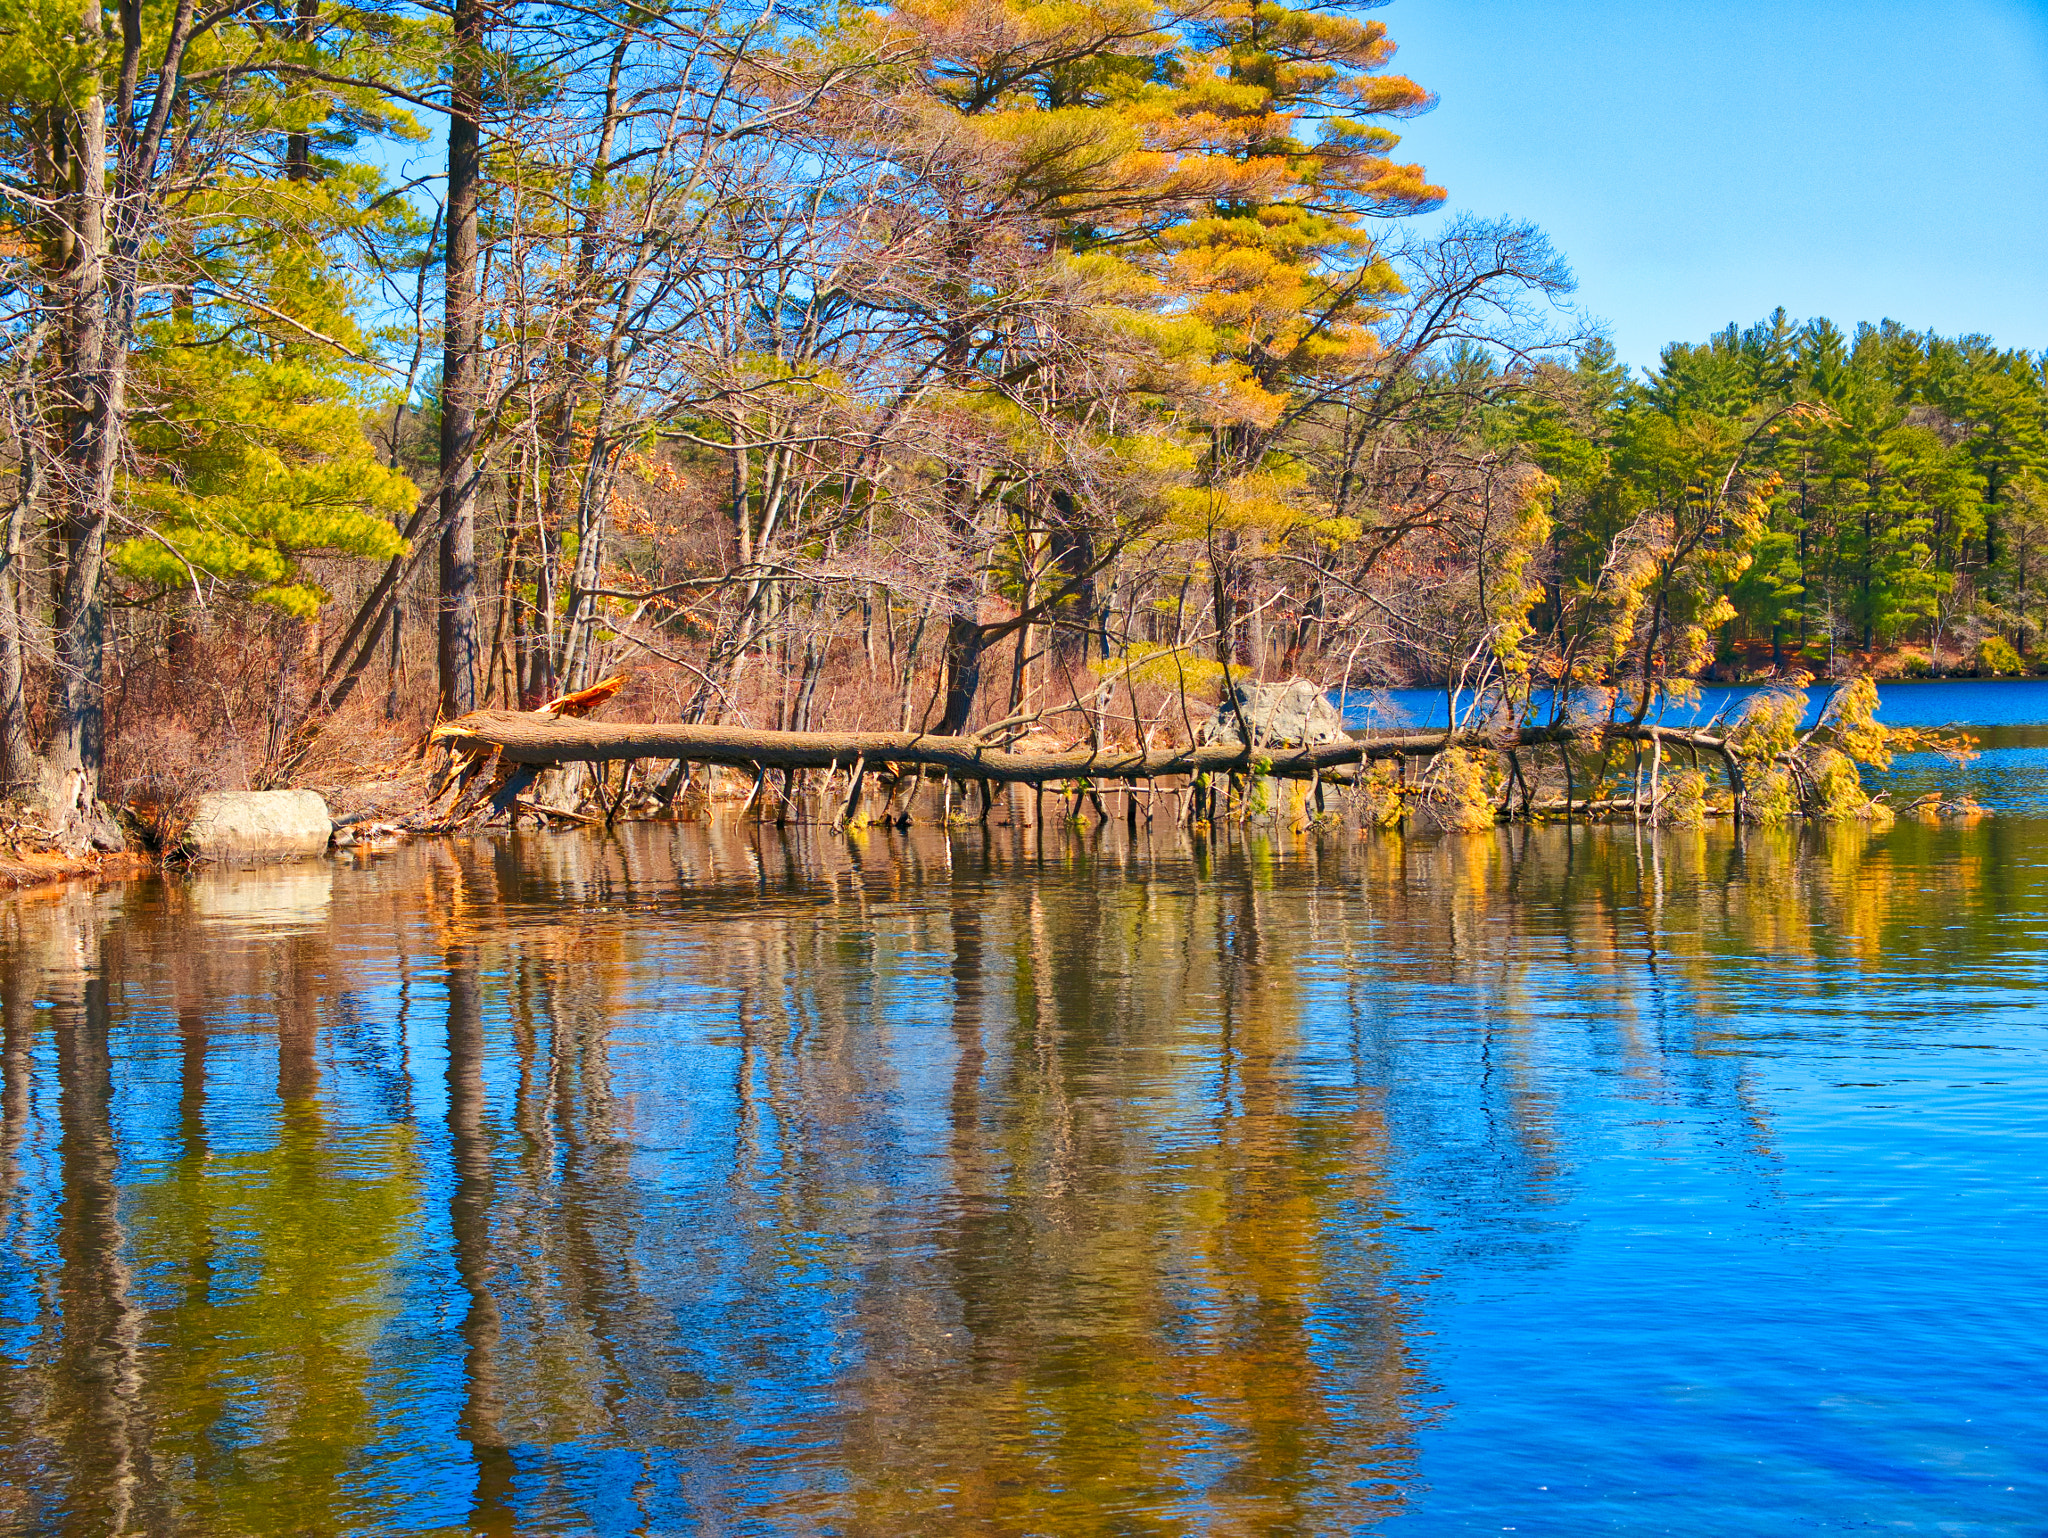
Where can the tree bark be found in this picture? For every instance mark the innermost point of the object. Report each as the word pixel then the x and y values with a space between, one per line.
pixel 1071 547
pixel 966 640
pixel 75 747
pixel 17 750
pixel 112 220
pixel 578 650
pixel 522 737
pixel 553 662
pixel 456 639
pixel 298 152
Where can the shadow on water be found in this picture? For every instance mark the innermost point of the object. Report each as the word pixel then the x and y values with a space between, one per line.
pixel 715 1179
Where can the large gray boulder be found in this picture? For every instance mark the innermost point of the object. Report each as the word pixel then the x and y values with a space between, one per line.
pixel 1283 715
pixel 258 825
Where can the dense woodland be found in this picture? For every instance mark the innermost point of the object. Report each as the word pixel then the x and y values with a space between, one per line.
pixel 962 367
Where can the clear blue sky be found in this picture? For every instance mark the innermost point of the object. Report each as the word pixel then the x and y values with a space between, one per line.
pixel 1699 163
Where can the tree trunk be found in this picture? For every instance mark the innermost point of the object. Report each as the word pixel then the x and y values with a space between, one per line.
pixel 551 657
pixel 1071 547
pixel 544 671
pixel 92 419
pixel 456 649
pixel 17 751
pixel 537 737
pixel 397 674
pixel 298 145
pixel 592 506
pixel 113 220
pixel 965 642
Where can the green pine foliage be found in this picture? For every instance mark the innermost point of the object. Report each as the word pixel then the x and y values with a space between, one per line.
pixel 246 451
pixel 255 457
pixel 250 452
pixel 1896 479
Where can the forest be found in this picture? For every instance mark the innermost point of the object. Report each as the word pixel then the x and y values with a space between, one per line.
pixel 1030 372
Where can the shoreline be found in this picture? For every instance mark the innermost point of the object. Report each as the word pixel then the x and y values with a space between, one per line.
pixel 26 870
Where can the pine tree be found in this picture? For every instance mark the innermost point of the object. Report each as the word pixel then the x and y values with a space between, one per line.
pixel 156 149
pixel 1284 273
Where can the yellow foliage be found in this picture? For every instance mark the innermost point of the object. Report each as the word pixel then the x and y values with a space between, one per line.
pixel 1837 792
pixel 1263 504
pixel 1956 747
pixel 1380 804
pixel 1513 589
pixel 1460 790
pixel 1996 658
pixel 1768 726
pixel 1684 803
pixel 1166 665
pixel 1852 716
pixel 1770 799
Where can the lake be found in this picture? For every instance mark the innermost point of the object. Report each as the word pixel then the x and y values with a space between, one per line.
pixel 1947 702
pixel 710 1180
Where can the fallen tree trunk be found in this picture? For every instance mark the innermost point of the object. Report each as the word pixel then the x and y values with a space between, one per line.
pixel 536 738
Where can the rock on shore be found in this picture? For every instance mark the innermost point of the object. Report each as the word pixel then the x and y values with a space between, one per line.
pixel 258 825
pixel 1290 714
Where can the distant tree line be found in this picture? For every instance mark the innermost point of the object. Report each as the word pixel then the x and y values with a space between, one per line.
pixel 1898 484
pixel 996 367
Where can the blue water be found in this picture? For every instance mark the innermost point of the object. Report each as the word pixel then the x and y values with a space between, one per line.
pixel 1801 1297
pixel 2017 702
pixel 710 1180
pixel 2008 720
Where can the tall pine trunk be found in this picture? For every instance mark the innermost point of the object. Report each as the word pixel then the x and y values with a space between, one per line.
pixel 456 637
pixel 298 152
pixel 112 222
pixel 91 419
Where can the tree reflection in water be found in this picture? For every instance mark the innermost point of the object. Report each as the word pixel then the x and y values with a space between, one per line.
pixel 726 1180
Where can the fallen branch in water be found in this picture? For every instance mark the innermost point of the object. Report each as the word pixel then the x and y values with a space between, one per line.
pixel 524 738
pixel 493 755
pixel 506 748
